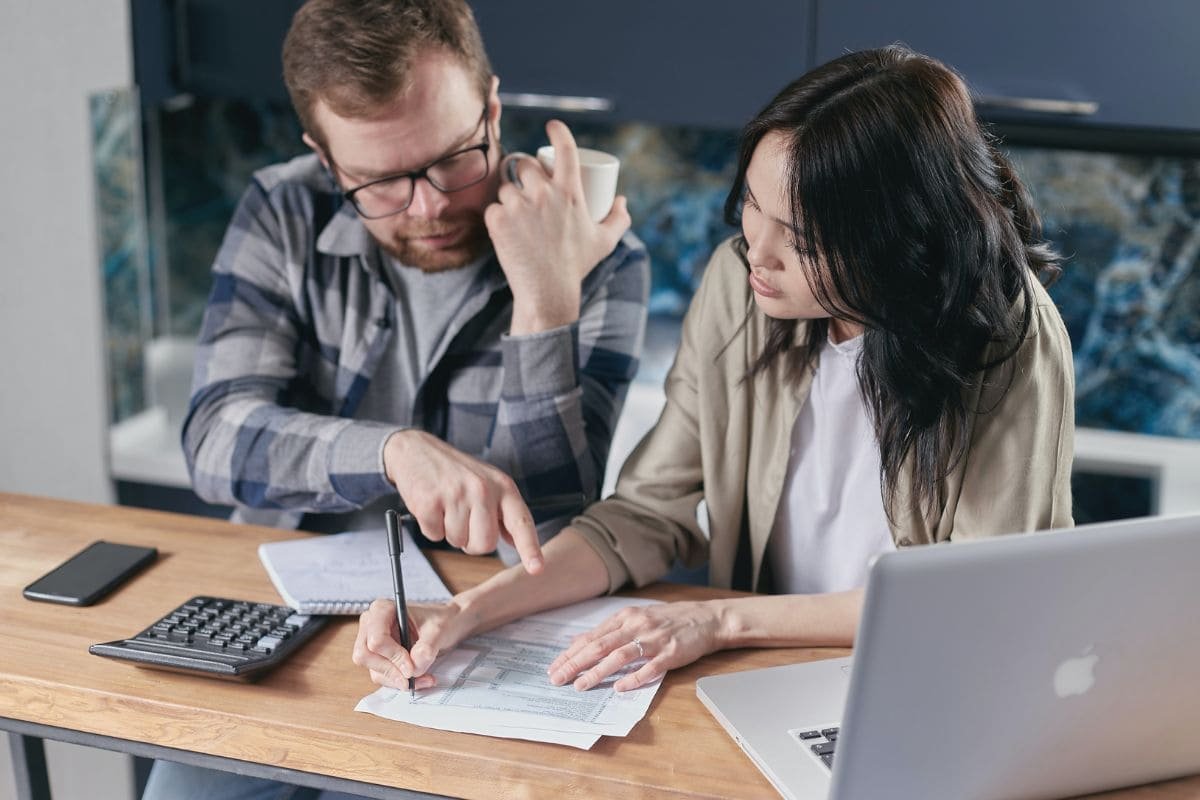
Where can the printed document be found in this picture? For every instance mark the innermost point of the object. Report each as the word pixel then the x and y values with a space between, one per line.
pixel 496 684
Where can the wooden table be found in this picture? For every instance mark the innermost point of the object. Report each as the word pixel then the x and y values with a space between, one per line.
pixel 298 723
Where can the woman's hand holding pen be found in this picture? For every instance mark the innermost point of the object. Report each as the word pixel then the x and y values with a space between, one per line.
pixel 574 572
pixel 436 628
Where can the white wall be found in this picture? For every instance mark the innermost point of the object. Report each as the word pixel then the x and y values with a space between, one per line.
pixel 53 404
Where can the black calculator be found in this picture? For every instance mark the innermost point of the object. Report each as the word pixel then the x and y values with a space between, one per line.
pixel 217 638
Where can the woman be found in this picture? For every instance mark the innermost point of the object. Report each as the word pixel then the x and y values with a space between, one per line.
pixel 872 364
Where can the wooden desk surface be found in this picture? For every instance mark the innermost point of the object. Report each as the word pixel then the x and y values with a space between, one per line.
pixel 301 715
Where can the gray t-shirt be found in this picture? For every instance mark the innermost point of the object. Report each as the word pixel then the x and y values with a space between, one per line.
pixel 426 304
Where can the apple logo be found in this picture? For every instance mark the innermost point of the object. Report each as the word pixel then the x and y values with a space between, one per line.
pixel 1075 676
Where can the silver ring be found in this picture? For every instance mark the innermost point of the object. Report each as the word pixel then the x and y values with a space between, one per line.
pixel 641 650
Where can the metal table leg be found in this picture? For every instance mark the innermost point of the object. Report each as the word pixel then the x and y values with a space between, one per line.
pixel 29 767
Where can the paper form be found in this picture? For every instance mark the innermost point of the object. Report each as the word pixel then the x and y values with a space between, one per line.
pixel 496 684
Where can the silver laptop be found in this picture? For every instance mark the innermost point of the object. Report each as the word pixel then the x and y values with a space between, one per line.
pixel 1028 666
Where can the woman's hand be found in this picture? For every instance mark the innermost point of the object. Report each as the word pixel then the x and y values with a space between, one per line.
pixel 670 634
pixel 436 628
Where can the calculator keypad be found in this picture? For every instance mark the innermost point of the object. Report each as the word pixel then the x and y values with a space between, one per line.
pixel 217 636
pixel 227 626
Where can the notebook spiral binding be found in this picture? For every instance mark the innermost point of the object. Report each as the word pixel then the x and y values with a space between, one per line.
pixel 323 606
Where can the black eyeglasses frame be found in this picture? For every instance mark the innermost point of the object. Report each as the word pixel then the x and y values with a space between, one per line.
pixel 423 172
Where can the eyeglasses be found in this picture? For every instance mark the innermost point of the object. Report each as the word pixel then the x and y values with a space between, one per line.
pixel 454 172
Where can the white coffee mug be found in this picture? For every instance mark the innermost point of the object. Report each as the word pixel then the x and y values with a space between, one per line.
pixel 598 172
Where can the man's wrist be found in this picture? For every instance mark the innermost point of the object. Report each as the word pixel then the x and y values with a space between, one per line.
pixel 394 451
pixel 356 461
pixel 538 319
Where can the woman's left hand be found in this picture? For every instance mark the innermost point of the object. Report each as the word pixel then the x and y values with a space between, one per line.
pixel 670 634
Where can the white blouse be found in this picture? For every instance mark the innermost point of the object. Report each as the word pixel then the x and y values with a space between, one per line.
pixel 830 521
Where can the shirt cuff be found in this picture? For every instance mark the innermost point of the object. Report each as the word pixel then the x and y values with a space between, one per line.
pixel 602 542
pixel 356 462
pixel 540 364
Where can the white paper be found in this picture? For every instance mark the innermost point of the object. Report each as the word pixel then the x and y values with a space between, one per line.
pixel 496 684
pixel 343 573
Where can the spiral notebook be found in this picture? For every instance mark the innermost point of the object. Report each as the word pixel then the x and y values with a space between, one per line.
pixel 342 573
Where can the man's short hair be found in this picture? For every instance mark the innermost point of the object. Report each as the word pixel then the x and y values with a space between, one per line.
pixel 357 55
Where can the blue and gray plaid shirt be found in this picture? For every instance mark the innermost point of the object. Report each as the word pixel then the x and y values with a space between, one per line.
pixel 298 321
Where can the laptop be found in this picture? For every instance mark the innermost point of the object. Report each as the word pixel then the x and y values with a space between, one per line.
pixel 1035 665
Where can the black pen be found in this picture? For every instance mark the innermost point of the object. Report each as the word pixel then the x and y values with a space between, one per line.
pixel 549 502
pixel 395 548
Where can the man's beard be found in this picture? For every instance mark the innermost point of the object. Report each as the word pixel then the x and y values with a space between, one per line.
pixel 470 244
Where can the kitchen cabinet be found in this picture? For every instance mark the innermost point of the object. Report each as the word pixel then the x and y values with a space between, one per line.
pixel 1098 64
pixel 669 61
pixel 1075 62
pixel 675 62
pixel 210 48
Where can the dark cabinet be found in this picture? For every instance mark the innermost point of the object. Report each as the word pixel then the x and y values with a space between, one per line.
pixel 682 62
pixel 210 48
pixel 233 49
pixel 1086 62
pixel 711 64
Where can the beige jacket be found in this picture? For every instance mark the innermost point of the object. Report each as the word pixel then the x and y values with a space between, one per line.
pixel 726 441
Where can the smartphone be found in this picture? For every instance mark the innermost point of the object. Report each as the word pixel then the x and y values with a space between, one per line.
pixel 90 574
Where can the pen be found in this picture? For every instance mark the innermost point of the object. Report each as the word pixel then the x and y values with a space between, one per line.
pixel 395 548
pixel 549 502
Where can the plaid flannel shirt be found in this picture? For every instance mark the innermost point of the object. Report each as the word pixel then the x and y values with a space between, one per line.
pixel 298 321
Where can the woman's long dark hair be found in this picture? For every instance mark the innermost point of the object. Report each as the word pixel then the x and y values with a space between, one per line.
pixel 925 236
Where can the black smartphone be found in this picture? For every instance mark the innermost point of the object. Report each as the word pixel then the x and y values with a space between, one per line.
pixel 90 574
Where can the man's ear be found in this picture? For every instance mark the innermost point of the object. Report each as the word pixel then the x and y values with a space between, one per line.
pixel 316 148
pixel 494 106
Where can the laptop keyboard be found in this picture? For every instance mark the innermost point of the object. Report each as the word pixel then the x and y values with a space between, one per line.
pixel 820 742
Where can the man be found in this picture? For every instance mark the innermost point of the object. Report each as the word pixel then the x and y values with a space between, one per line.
pixel 390 316
pixel 387 317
